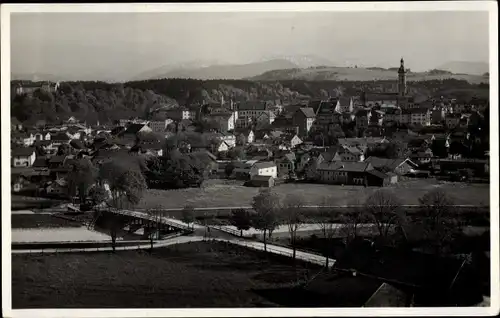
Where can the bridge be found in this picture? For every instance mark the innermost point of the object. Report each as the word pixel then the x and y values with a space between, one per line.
pixel 136 220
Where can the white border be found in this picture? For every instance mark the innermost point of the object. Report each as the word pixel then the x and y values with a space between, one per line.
pixel 6 10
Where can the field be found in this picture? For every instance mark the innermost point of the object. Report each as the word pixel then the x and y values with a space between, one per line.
pixel 219 193
pixel 187 275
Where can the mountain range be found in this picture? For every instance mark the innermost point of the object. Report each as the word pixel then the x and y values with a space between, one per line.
pixel 461 67
pixel 282 67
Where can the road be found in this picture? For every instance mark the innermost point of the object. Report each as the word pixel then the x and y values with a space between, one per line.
pixel 274 249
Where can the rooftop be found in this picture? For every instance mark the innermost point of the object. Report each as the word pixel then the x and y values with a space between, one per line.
pixel 308 112
pixel 346 166
pixel 264 165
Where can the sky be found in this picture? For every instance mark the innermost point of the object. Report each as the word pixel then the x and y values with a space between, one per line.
pixel 119 46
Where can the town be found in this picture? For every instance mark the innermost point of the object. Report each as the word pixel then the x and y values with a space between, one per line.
pixel 328 156
pixel 249 160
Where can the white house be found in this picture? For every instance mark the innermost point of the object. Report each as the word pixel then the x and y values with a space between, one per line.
pixel 420 116
pixel 23 157
pixel 23 139
pixel 222 146
pixel 230 139
pixel 41 135
pixel 266 168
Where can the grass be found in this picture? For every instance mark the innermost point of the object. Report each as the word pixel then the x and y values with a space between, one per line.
pixel 27 221
pixel 193 275
pixel 220 194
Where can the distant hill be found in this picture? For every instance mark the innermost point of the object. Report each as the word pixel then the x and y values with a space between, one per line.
pixel 165 69
pixel 222 71
pixel 321 73
pixel 36 77
pixel 471 68
pixel 301 61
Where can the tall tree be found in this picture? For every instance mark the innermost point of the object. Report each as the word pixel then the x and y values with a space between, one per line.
pixel 242 219
pixel 155 215
pixel 126 186
pixel 383 207
pixel 266 205
pixel 81 177
pixel 293 206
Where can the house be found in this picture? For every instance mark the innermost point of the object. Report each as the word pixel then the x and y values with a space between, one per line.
pixel 265 168
pixel 23 139
pixel 327 113
pixel 15 124
pixel 254 110
pixel 159 126
pixel 398 166
pixel 23 157
pixel 392 115
pixel 181 113
pixel 286 164
pixel 405 117
pixel 244 136
pixel 363 117
pixel 225 120
pixel 346 173
pixel 42 136
pixel 345 104
pixel 47 146
pixel 304 118
pixel 377 117
pixel 153 148
pixel 289 141
pixel 420 116
pixel 242 168
pixel 265 119
pixel 350 154
pixel 262 181
pixel 362 143
pixel 221 146
pixel 230 139
pixel 57 188
pixel 422 157
pixel 59 139
pixel 437 116
pixel 452 120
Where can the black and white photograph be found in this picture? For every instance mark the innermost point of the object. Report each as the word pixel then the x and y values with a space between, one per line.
pixel 270 160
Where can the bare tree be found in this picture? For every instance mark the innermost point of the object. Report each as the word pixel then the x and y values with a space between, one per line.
pixel 439 226
pixel 266 205
pixel 329 230
pixel 352 220
pixel 188 215
pixel 384 209
pixel 293 206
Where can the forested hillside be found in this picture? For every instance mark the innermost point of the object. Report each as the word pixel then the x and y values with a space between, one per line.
pixel 93 101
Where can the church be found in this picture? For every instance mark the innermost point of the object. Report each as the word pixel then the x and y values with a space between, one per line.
pixel 393 99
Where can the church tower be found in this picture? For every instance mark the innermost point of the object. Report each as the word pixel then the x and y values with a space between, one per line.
pixel 402 79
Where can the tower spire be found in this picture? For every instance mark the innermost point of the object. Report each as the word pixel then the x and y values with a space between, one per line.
pixel 402 78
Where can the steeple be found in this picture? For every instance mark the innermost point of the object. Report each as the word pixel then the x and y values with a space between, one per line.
pixel 402 79
pixel 402 66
